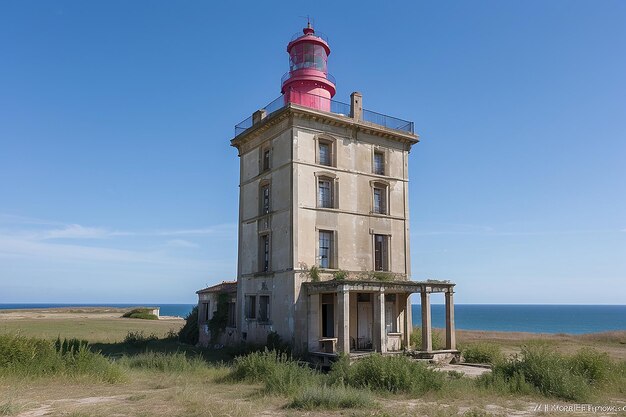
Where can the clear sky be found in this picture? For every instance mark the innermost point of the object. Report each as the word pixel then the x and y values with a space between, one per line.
pixel 118 184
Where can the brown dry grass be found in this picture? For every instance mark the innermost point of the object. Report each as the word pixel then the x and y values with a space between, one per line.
pixel 613 343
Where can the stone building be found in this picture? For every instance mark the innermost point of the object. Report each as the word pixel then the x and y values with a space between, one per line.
pixel 323 256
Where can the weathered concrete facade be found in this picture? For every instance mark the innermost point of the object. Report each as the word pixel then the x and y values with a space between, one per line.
pixel 281 203
pixel 210 300
pixel 323 256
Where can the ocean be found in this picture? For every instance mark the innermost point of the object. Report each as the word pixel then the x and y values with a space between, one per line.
pixel 534 318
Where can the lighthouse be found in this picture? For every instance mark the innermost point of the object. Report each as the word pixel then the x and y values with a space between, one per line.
pixel 323 248
pixel 308 82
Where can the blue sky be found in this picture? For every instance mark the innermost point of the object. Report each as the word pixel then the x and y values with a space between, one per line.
pixel 118 184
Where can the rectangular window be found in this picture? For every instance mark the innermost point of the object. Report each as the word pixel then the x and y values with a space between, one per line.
pixel 265 199
pixel 264 308
pixel 205 310
pixel 325 249
pixel 251 307
pixel 381 244
pixel 325 156
pixel 391 322
pixel 232 314
pixel 325 193
pixel 379 163
pixel 264 253
pixel 266 159
pixel 380 200
pixel 328 315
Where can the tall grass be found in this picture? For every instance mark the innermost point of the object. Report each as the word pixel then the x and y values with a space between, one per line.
pixel 437 338
pixel 483 352
pixel 331 398
pixel 27 357
pixel 540 369
pixel 164 362
pixel 395 374
pixel 280 373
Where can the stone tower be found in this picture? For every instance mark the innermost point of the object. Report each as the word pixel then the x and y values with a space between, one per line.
pixel 323 257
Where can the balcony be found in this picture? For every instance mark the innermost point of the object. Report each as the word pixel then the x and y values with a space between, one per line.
pixel 329 106
pixel 306 65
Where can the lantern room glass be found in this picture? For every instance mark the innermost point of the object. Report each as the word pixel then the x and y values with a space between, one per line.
pixel 308 55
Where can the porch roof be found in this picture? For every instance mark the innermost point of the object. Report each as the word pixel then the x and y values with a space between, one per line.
pixel 428 286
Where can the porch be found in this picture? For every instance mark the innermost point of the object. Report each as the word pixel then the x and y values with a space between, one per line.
pixel 361 317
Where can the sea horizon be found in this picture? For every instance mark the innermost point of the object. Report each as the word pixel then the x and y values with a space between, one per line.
pixel 530 318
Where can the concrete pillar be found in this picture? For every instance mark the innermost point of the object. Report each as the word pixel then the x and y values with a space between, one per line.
pixel 314 324
pixel 380 340
pixel 356 106
pixel 450 329
pixel 343 320
pixel 258 115
pixel 408 321
pixel 427 342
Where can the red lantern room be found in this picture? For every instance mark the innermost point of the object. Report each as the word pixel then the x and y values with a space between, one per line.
pixel 308 82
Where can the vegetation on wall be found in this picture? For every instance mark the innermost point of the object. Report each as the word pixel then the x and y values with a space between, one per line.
pixel 189 332
pixel 340 275
pixel 314 273
pixel 217 324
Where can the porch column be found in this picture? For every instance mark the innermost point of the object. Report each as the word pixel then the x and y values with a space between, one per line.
pixel 408 321
pixel 314 323
pixel 450 330
pixel 343 319
pixel 380 342
pixel 427 342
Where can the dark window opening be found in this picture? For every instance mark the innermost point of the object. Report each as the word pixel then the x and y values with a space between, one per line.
pixel 379 163
pixel 264 307
pixel 328 315
pixel 251 307
pixel 266 159
pixel 381 243
pixel 325 249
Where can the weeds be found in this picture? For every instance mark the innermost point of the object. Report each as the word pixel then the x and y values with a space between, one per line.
pixel 170 362
pixel 340 275
pixel 281 374
pixel 483 352
pixel 540 368
pixel 331 398
pixel 395 374
pixel 139 339
pixel 9 408
pixel 26 357
pixel 437 338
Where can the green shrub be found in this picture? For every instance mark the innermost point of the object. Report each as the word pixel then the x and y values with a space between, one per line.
pixel 189 332
pixel 143 316
pixel 281 374
pixel 382 276
pixel 331 398
pixel 275 342
pixel 483 352
pixel 69 345
pixel 140 313
pixel 28 357
pixel 592 365
pixel 340 275
pixel 540 368
pixel 314 273
pixel 437 339
pixel 139 339
pixel 396 374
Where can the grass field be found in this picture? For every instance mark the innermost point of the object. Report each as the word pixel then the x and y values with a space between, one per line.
pixel 170 385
